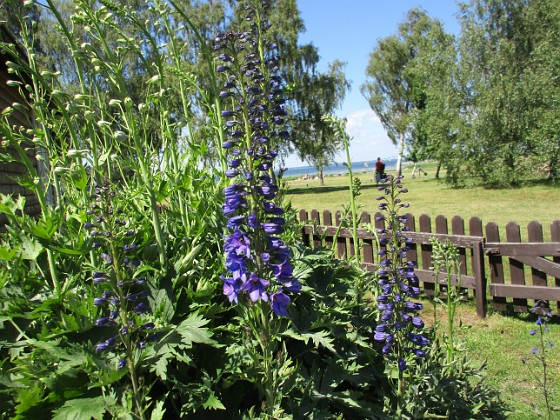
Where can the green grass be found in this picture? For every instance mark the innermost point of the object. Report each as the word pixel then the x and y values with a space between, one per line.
pixel 502 341
pixel 427 195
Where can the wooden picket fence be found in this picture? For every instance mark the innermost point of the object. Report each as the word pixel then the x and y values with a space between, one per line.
pixel 519 273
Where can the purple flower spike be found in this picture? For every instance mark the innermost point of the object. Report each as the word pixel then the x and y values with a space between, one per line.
pixel 253 92
pixel 397 282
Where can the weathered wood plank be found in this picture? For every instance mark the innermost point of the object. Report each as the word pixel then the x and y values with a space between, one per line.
pixel 420 238
pixel 525 292
pixel 367 244
pixel 526 249
pixel 496 266
pixel 341 240
pixel 516 268
pixel 328 221
pixel 303 217
pixel 542 265
pixel 316 219
pixel 425 251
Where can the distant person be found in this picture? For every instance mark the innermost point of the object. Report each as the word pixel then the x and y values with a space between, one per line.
pixel 379 170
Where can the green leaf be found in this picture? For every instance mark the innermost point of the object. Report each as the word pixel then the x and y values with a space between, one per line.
pixel 160 367
pixel 45 229
pixel 81 409
pixel 319 338
pixel 158 412
pixel 30 249
pixel 191 330
pixel 7 254
pixel 187 261
pixel 213 403
pixel 67 251
pixel 29 400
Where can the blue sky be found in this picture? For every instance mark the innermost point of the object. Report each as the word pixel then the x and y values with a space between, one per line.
pixel 348 30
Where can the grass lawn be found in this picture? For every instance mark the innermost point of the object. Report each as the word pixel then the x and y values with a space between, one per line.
pixel 502 341
pixel 433 197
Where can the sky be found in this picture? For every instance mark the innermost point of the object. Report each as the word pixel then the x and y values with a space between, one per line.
pixel 348 30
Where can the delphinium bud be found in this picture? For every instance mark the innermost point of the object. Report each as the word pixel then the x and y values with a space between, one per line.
pixel 399 328
pixel 122 303
pixel 257 260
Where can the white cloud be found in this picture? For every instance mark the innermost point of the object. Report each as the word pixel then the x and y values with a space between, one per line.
pixel 369 139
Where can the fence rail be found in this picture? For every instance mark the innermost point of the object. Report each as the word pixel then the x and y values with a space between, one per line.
pixel 518 272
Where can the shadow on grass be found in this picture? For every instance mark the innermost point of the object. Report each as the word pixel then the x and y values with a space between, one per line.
pixel 524 316
pixel 326 189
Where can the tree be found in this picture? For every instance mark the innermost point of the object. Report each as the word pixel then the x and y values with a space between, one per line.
pixel 316 95
pixel 543 84
pixel 11 12
pixel 395 88
pixel 437 118
pixel 508 57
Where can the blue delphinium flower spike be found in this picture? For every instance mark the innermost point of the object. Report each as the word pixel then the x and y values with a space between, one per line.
pixel 257 261
pixel 400 326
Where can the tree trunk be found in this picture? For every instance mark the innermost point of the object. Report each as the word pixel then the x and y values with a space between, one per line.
pixel 437 170
pixel 321 177
pixel 400 156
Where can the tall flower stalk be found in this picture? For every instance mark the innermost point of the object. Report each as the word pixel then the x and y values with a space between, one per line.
pixel 354 183
pixel 259 277
pixel 541 352
pixel 122 301
pixel 399 327
pixel 446 256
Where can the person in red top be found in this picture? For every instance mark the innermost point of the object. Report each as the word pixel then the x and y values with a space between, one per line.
pixel 379 170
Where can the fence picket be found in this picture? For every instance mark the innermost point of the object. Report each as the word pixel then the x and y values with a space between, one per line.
pixel 477 258
pixel 535 234
pixel 340 241
pixel 412 254
pixel 317 220
pixel 327 221
pixel 516 268
pixel 496 266
pixel 426 252
pixel 367 244
pixel 303 217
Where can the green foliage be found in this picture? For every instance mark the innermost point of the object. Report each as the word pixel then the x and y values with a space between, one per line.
pixel 129 101
pixel 396 86
pixel 454 390
pixel 331 338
